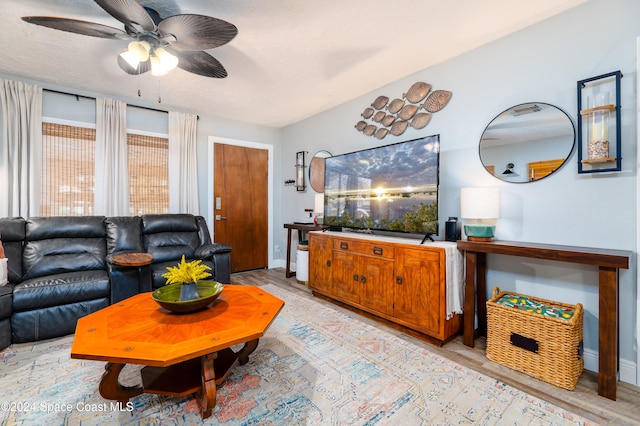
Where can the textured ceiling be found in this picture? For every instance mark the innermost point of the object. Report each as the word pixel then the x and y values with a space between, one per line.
pixel 290 60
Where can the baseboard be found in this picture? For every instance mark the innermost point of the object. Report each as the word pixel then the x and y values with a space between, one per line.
pixel 627 368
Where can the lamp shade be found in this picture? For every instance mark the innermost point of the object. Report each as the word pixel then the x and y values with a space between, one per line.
pixel 480 203
pixel 140 49
pixel 319 203
pixel 167 60
pixel 479 207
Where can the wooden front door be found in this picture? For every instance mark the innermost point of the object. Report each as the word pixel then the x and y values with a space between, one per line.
pixel 241 204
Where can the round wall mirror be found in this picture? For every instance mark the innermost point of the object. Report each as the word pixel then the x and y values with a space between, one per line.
pixel 527 142
pixel 316 170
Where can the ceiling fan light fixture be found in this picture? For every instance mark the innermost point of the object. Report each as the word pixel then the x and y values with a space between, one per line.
pixel 156 67
pixel 137 51
pixel 167 60
pixel 131 58
pixel 141 49
pixel 187 34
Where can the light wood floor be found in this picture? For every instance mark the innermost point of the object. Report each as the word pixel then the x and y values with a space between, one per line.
pixel 584 400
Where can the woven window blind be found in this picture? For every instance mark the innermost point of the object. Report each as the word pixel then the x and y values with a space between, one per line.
pixel 148 158
pixel 69 172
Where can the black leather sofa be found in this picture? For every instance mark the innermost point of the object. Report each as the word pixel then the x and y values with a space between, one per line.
pixel 60 268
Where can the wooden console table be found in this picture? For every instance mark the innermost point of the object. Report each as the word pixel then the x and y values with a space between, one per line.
pixel 608 263
pixel 302 230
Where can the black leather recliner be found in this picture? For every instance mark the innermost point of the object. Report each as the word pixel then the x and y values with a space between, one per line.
pixel 64 276
pixel 168 237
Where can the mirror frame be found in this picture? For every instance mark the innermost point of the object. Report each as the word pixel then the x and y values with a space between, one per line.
pixel 517 118
pixel 316 170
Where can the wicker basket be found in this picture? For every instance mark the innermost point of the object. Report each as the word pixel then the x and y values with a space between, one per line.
pixel 549 349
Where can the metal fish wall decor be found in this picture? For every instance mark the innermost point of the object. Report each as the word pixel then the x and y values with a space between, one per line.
pixel 417 92
pixel 399 114
pixel 380 102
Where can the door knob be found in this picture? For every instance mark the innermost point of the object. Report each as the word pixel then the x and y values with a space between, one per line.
pixel 218 217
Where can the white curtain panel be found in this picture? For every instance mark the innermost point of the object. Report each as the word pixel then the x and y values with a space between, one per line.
pixel 20 148
pixel 112 175
pixel 183 163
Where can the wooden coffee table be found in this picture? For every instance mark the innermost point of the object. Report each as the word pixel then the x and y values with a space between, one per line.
pixel 182 353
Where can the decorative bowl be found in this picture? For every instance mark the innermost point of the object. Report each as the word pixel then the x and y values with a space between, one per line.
pixel 168 296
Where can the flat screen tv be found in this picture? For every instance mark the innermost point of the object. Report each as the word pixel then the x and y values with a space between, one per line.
pixel 392 188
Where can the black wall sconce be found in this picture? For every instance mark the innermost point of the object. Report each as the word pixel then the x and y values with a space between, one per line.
pixel 509 170
pixel 300 166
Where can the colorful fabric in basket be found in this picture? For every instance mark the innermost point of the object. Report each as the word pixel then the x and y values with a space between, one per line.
pixel 525 303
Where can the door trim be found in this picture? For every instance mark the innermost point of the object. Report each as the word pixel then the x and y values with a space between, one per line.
pixel 210 201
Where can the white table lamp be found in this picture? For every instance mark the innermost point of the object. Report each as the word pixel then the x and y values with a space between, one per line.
pixel 480 207
pixel 319 209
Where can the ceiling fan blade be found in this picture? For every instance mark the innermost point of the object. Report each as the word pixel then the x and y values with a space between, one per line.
pixel 200 63
pixel 126 67
pixel 129 12
pixel 197 32
pixel 77 26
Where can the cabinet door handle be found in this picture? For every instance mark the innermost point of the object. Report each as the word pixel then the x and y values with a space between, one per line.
pixel 398 279
pixel 355 277
pixel 328 262
pixel 363 279
pixel 344 246
pixel 377 250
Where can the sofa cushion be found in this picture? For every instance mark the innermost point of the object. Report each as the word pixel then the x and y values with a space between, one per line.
pixel 60 289
pixel 43 228
pixel 171 246
pixel 155 223
pixel 63 244
pixel 124 233
pixel 55 321
pixel 169 237
pixel 59 255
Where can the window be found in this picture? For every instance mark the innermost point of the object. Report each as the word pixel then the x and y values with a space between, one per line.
pixel 69 171
pixel 148 158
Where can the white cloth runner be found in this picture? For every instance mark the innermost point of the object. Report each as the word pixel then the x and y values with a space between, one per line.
pixel 454 277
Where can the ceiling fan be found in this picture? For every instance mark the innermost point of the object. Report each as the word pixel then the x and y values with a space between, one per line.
pixel 155 44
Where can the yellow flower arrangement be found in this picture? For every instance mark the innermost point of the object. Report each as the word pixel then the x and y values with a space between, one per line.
pixel 186 272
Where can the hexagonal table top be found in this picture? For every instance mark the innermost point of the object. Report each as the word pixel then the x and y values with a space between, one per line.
pixel 138 331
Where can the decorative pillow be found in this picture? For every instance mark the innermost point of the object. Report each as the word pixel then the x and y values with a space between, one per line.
pixel 4 272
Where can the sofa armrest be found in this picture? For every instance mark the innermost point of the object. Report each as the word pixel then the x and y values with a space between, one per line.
pixel 219 254
pixel 207 251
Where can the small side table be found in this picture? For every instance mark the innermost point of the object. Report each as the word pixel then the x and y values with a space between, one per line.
pixel 132 281
pixel 302 231
pixel 132 259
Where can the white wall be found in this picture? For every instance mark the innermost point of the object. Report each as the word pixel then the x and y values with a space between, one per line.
pixel 539 64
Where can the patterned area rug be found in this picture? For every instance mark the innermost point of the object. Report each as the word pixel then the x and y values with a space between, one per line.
pixel 315 366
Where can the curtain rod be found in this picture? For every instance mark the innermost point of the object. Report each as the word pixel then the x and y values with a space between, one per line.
pixel 91 97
